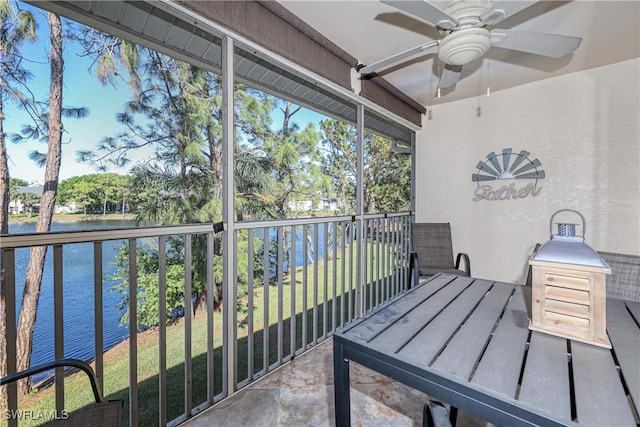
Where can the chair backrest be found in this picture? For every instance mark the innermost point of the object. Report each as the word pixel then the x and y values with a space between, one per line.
pixel 624 280
pixel 529 281
pixel 432 243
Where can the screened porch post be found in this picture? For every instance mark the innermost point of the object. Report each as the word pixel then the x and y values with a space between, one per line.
pixel 412 201
pixel 360 211
pixel 229 287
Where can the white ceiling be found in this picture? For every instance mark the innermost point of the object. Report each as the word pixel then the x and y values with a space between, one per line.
pixel 370 30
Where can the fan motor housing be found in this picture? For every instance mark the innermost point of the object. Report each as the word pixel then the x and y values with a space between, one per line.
pixel 464 46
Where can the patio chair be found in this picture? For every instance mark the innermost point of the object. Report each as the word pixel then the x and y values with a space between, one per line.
pixel 103 413
pixel 624 280
pixel 433 252
pixel 530 272
pixel 435 414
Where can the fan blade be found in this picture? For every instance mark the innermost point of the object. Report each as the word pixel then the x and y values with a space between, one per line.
pixel 551 45
pixel 384 63
pixel 504 9
pixel 450 75
pixel 425 11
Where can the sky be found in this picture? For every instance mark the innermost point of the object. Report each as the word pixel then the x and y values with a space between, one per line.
pixel 81 89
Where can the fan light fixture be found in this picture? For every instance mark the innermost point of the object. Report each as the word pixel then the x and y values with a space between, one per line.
pixel 464 46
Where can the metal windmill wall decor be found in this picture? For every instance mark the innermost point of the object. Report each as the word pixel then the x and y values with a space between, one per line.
pixel 507 166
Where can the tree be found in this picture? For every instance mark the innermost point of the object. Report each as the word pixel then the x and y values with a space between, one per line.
pixel 49 127
pixel 14 188
pixel 113 187
pixel 17 182
pixel 340 161
pixel 93 192
pixel 16 28
pixel 295 156
pixel 82 194
pixel 177 108
pixel 28 199
pixel 387 176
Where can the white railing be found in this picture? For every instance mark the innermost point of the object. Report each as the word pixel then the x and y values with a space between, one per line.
pixel 304 280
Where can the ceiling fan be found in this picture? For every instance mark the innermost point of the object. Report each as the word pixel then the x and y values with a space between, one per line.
pixel 464 36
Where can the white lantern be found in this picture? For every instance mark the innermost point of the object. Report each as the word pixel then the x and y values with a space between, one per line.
pixel 569 287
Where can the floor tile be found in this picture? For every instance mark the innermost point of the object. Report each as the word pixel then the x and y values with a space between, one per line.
pixel 300 393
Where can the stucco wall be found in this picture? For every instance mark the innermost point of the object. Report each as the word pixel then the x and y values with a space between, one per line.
pixel 584 128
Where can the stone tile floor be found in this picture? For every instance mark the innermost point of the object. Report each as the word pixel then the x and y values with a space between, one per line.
pixel 300 393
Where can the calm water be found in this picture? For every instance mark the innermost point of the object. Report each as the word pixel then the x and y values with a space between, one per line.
pixel 78 290
pixel 78 293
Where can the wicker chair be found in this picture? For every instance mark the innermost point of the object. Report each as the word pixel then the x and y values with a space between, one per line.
pixel 624 280
pixel 433 252
pixel 102 413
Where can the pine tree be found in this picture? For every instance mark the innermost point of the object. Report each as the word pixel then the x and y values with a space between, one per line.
pixel 17 27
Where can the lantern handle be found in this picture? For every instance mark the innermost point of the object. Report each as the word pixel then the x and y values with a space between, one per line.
pixel 584 223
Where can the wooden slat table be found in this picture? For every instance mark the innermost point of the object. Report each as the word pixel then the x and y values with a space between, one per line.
pixel 466 342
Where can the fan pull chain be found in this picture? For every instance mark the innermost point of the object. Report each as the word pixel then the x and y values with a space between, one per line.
pixel 440 75
pixel 488 79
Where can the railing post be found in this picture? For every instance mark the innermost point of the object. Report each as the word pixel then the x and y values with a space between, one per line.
pixel 210 326
pixel 280 281
pixel 250 305
pixel 133 333
pixel 292 268
pixel 58 324
pixel 8 289
pixel 99 315
pixel 265 300
pixel 162 331
pixel 188 312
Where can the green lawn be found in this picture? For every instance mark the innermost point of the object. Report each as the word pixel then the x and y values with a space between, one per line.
pixel 116 366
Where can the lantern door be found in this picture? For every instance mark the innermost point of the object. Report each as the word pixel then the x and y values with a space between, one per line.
pixel 570 301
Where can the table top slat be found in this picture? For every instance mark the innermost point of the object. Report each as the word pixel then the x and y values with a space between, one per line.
pixel 547 364
pixel 496 371
pixel 422 348
pixel 625 336
pixel 634 308
pixel 371 325
pixel 395 335
pixel 594 371
pixel 463 351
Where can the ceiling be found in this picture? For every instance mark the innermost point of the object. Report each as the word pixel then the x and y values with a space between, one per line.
pixel 370 31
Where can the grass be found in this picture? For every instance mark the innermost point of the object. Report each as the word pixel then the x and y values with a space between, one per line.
pixel 318 324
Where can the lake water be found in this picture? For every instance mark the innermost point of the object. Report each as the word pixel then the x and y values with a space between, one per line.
pixel 78 290
pixel 78 293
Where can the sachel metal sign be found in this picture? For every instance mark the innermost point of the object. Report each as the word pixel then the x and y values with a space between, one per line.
pixel 507 166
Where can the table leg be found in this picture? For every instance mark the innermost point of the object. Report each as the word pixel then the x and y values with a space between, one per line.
pixel 341 386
